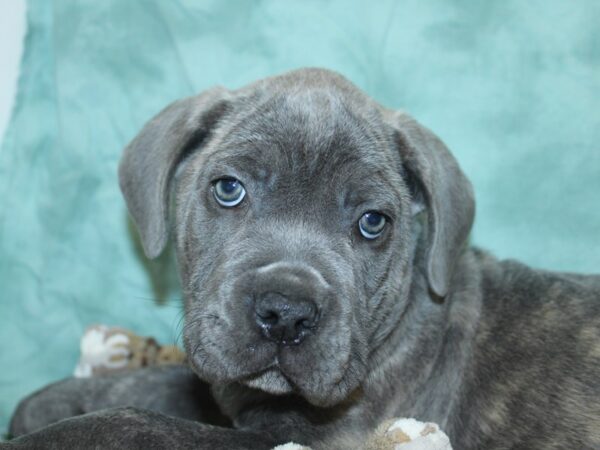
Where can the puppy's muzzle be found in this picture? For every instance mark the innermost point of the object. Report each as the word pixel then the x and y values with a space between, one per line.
pixel 288 301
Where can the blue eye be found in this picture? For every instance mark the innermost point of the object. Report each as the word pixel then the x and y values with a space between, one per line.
pixel 371 224
pixel 228 192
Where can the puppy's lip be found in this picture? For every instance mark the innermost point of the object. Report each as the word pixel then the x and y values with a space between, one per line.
pixel 271 380
pixel 274 380
pixel 213 370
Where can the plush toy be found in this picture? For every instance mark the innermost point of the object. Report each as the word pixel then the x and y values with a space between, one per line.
pixel 397 434
pixel 111 349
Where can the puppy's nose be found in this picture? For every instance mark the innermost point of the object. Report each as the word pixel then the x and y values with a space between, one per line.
pixel 286 320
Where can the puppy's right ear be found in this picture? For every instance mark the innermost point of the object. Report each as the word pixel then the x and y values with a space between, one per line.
pixel 150 160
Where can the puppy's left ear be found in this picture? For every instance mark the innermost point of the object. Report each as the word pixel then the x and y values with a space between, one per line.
pixel 446 191
pixel 150 160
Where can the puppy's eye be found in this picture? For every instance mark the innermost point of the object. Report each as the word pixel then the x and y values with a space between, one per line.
pixel 371 224
pixel 228 192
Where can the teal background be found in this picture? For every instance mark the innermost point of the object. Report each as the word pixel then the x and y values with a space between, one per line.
pixel 512 87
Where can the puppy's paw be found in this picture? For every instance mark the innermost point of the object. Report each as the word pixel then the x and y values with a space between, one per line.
pixel 291 446
pixel 408 434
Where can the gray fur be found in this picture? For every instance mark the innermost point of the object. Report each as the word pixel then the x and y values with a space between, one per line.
pixel 414 323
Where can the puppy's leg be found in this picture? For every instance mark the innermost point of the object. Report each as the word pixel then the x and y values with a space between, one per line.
pixel 171 390
pixel 133 428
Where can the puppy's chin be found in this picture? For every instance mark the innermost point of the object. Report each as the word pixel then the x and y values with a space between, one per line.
pixel 271 381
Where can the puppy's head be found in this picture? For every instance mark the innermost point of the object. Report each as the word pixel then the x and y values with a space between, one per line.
pixel 295 219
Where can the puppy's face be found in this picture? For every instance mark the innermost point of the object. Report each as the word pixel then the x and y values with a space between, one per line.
pixel 295 231
pixel 304 176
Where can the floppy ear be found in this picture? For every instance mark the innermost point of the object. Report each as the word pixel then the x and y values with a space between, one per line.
pixel 150 160
pixel 447 193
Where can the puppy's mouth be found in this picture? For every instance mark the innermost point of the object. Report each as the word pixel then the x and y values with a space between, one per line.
pixel 276 372
pixel 274 380
pixel 271 380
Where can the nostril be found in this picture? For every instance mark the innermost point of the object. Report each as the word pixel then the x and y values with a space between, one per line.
pixel 305 324
pixel 268 317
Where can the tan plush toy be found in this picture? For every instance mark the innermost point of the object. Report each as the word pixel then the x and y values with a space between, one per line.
pixel 396 434
pixel 111 349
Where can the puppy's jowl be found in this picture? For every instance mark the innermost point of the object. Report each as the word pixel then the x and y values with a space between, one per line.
pixel 321 243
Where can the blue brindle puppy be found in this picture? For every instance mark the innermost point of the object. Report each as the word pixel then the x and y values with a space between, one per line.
pixel 321 244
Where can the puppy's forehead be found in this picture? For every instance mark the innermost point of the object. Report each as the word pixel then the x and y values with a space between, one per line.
pixel 307 127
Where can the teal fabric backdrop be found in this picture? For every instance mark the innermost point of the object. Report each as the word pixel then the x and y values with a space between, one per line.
pixel 512 87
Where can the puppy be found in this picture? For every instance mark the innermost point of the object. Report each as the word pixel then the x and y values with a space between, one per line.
pixel 321 244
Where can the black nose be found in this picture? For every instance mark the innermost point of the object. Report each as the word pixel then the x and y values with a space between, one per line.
pixel 285 320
